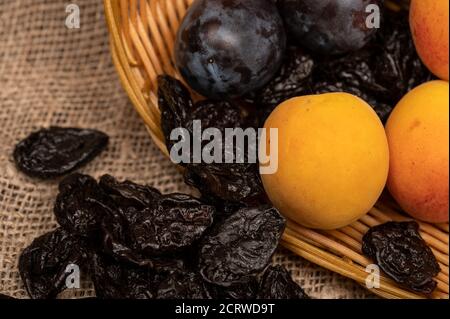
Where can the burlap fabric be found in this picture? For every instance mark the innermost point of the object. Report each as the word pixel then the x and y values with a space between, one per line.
pixel 52 75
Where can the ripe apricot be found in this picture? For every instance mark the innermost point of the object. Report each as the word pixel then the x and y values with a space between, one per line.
pixel 333 159
pixel 429 26
pixel 418 135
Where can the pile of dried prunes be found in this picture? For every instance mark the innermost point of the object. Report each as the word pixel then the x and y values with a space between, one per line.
pixel 134 242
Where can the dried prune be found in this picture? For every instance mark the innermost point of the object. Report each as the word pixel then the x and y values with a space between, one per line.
pixel 129 194
pixel 354 75
pixel 81 205
pixel 175 103
pixel 229 183
pixel 56 151
pixel 182 284
pixel 293 79
pixel 115 280
pixel 243 291
pixel 217 114
pixel 174 222
pixel 277 283
pixel 179 111
pixel 5 297
pixel 234 183
pixel 403 255
pixel 241 246
pixel 43 265
pixel 398 66
pixel 167 224
pixel 115 239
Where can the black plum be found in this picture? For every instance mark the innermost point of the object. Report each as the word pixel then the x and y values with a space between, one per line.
pixel 227 48
pixel 330 26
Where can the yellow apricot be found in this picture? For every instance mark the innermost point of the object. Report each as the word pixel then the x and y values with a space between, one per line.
pixel 418 135
pixel 333 159
pixel 429 26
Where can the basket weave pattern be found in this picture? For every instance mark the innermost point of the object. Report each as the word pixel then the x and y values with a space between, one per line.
pixel 142 39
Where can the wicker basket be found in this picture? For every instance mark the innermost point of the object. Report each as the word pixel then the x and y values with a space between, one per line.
pixel 142 40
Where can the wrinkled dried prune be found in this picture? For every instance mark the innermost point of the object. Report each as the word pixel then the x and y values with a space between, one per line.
pixel 167 224
pixel 398 66
pixel 115 280
pixel 216 114
pixel 229 183
pixel 43 265
pixel 241 246
pixel 179 111
pixel 293 79
pixel 56 151
pixel 277 283
pixel 5 297
pixel 182 284
pixel 81 205
pixel 403 255
pixel 129 194
pixel 232 184
pixel 174 222
pixel 354 75
pixel 243 291
pixel 175 103
pixel 115 239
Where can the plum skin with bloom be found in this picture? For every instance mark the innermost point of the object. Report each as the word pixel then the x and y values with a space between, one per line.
pixel 228 48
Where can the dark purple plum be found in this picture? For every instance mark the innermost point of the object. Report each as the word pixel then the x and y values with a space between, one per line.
pixel 330 27
pixel 228 48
